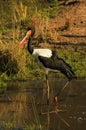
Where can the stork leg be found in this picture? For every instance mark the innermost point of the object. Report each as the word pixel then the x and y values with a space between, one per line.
pixel 48 88
pixel 66 84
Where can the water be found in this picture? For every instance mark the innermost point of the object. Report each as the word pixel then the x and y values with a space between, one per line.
pixel 25 104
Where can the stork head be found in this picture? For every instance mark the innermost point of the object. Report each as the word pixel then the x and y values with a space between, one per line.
pixel 30 33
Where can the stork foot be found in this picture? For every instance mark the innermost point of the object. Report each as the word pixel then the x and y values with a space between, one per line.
pixel 56 100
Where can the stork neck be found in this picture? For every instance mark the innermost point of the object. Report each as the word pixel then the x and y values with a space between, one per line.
pixel 29 47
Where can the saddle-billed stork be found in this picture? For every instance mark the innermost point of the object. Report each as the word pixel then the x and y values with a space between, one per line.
pixel 47 59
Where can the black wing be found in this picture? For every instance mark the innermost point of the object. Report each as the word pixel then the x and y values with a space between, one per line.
pixel 57 63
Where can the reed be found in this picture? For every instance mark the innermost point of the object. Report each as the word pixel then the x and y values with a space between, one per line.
pixel 20 12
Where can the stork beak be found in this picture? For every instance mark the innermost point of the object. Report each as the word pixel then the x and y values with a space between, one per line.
pixel 23 41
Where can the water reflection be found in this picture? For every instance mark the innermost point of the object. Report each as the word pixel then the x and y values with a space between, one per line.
pixel 26 105
pixel 71 103
pixel 55 112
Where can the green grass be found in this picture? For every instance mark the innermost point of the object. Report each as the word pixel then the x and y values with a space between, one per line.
pixel 77 59
pixel 27 67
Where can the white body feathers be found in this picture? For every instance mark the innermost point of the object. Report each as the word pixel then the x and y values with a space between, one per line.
pixel 42 52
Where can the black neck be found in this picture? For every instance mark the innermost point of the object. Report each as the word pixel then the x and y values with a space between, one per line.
pixel 30 49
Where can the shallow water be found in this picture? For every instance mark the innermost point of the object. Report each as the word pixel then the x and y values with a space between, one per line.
pixel 24 103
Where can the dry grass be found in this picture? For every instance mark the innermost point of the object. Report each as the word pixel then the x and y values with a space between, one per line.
pixel 20 12
pixel 16 53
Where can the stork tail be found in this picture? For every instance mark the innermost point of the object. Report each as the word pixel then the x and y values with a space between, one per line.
pixel 68 71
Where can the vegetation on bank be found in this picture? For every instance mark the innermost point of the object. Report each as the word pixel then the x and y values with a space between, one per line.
pixel 17 63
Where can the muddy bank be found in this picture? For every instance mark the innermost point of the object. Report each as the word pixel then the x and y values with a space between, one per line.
pixel 68 27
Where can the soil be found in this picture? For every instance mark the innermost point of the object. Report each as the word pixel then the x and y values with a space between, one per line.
pixel 68 26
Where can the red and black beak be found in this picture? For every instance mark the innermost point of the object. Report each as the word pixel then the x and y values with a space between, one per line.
pixel 28 34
